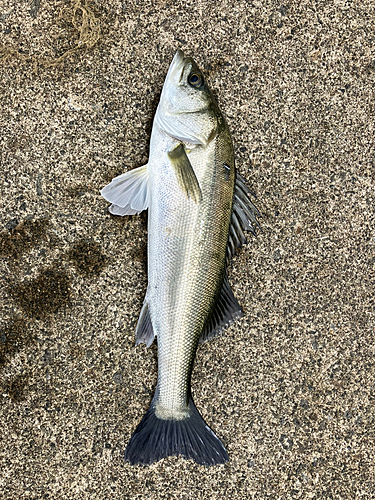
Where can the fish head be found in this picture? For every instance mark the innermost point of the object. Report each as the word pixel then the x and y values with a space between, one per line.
pixel 187 110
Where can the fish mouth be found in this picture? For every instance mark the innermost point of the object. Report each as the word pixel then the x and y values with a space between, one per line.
pixel 178 58
pixel 178 65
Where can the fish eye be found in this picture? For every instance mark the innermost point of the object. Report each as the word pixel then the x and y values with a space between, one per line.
pixel 195 80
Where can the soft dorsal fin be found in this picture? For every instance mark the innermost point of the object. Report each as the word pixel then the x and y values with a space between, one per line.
pixel 129 193
pixel 144 332
pixel 186 178
pixel 226 311
pixel 244 216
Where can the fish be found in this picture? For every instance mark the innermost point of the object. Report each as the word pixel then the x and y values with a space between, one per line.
pixel 199 209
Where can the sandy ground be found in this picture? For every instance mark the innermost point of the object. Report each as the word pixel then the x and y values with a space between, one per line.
pixel 290 387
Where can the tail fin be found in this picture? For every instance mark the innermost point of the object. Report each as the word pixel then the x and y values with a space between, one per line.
pixel 155 439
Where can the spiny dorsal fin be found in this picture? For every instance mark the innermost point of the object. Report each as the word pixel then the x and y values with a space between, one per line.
pixel 226 311
pixel 186 178
pixel 144 333
pixel 129 193
pixel 244 216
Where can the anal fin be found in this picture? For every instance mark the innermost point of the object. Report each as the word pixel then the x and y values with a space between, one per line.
pixel 144 332
pixel 226 311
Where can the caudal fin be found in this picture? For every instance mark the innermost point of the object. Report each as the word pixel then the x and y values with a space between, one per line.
pixel 155 438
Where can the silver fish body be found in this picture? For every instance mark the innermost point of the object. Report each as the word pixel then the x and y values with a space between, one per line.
pixel 198 211
pixel 186 252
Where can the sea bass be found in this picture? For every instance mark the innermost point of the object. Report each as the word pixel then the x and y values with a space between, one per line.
pixel 198 210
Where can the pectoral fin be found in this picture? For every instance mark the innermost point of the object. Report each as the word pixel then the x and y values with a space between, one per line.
pixel 129 193
pixel 186 177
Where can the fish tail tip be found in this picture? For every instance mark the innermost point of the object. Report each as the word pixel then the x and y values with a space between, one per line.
pixel 191 437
